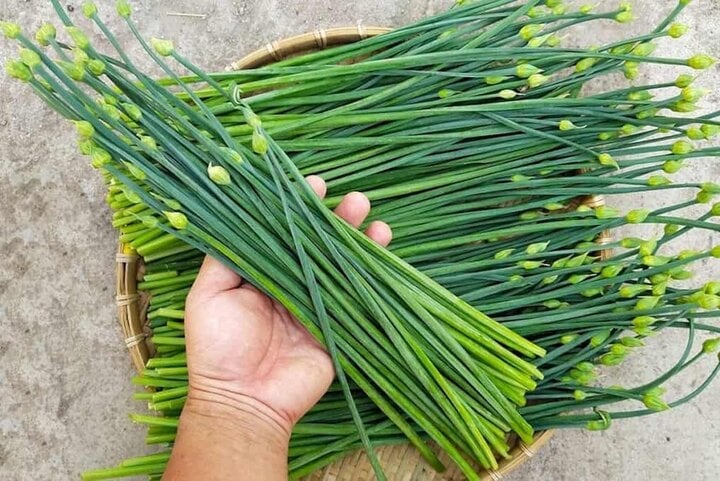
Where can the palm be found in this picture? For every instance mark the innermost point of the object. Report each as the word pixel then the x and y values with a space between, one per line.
pixel 253 345
pixel 242 342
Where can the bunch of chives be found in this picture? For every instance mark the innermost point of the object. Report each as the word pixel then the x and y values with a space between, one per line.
pixel 455 227
pixel 410 345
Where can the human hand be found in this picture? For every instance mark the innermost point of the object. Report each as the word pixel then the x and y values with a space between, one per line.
pixel 244 349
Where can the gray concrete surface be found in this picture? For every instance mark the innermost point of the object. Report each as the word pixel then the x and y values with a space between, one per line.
pixel 64 375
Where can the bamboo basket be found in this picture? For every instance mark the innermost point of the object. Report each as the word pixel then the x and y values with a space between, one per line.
pixel 401 462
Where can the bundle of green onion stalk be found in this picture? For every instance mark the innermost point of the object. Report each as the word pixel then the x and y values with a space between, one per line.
pixel 469 132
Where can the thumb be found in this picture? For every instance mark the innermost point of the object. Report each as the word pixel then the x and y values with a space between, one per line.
pixel 214 277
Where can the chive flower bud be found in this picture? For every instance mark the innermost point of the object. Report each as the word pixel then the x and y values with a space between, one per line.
pixel 681 147
pixel 553 206
pixel 610 359
pixel 535 12
pixel 89 9
pixel 695 133
pixel 86 146
pixel 670 229
pixel 135 171
pixel 579 395
pixel 11 30
pixel 687 253
pixel 18 70
pixel 599 338
pixel 640 96
pixel 594 292
pixel 637 216
pixel 628 129
pixel 503 254
pixel 659 289
pixel 99 157
pixel 609 272
pixel 605 212
pixel 162 46
pixel 586 9
pixel 632 290
pixel 582 377
pixel 507 94
pixel 585 366
pixel 643 321
pixel 516 278
pixel 72 70
pixel 624 17
pixel 655 261
pixel 549 280
pixel 658 180
pixel 644 49
pixel 692 94
pixel 711 345
pixel 607 160
pixel 78 37
pixel 585 64
pixel 559 10
pixel 680 274
pixel 259 143
pixel 149 221
pixel 619 349
pixel 710 187
pixel 622 49
pixel 646 114
pixel 568 338
pixel 566 125
pixel 538 42
pixel 529 31
pixel 552 304
pixel 45 34
pixel 553 3
pixel 553 40
pixel 630 341
pixel 677 30
pixel 96 67
pixel 84 129
pixel 132 111
pixel 149 142
pixel 631 242
pixel 647 303
pixel 683 106
pixel 219 175
pixel 654 403
pixel 703 197
pixel 631 70
pixel 525 70
pixel 700 61
pixel 672 166
pixel 495 79
pixel 709 302
pixel 712 287
pixel 684 80
pixel 710 130
pixel 123 8
pixel 538 79
pixel 177 219
pixel 29 58
pixel 530 265
pixel 445 93
pixel 537 248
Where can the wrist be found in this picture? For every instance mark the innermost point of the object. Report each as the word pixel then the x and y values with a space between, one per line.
pixel 239 417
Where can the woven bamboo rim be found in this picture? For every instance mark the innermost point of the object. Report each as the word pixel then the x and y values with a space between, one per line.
pixel 401 462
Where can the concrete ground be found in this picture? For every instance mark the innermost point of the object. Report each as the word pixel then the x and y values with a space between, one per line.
pixel 64 374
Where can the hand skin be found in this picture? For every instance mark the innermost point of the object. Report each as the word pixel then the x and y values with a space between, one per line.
pixel 254 372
